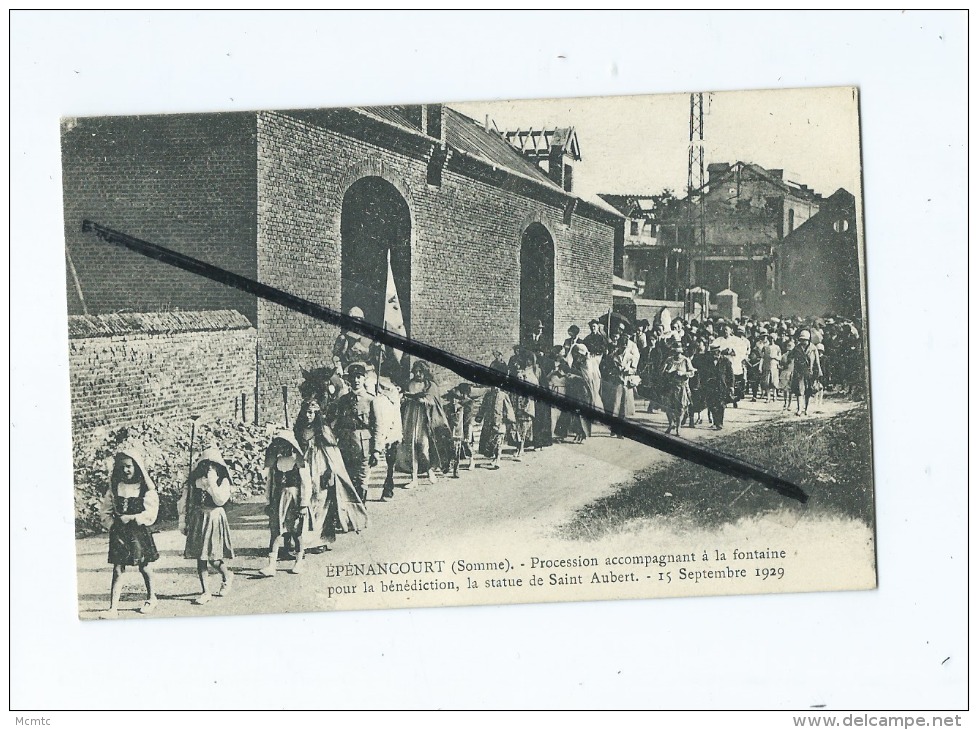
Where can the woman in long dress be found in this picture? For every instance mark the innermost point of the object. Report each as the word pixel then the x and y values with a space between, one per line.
pixel 426 443
pixel 334 504
pixel 579 386
pixel 618 366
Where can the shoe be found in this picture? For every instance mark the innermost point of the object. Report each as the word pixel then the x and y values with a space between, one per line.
pixel 226 585
pixel 149 606
pixel 413 484
pixel 269 570
pixel 201 599
pixel 298 567
pixel 432 477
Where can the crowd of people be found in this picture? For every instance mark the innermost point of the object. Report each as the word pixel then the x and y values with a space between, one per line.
pixel 372 408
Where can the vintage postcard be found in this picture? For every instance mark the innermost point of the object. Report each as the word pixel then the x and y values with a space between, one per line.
pixel 475 353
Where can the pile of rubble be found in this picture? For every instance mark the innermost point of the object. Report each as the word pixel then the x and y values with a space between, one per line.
pixel 166 446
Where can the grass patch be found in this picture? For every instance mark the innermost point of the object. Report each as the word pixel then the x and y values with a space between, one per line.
pixel 829 458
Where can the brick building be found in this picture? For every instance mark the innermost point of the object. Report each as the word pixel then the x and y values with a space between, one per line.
pixel 481 240
pixel 818 267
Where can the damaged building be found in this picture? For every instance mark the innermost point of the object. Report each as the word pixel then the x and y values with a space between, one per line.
pixel 483 239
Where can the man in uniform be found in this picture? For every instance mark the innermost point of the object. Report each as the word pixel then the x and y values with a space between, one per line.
pixel 353 417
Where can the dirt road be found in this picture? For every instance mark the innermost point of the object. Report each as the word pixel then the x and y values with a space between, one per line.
pixel 483 511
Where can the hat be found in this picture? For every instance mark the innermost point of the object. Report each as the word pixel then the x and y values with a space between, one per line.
pixel 355 312
pixel 820 347
pixel 134 451
pixel 804 335
pixel 213 455
pixel 714 346
pixel 594 321
pixel 579 349
pixel 283 436
pixel 356 368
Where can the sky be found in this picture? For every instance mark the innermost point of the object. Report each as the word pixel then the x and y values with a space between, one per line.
pixel 640 144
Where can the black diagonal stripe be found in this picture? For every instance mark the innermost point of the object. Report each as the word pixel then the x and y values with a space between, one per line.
pixel 472 371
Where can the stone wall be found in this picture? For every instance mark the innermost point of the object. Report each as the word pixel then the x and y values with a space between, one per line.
pixel 124 368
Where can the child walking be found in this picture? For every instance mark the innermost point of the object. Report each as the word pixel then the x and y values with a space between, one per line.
pixel 289 489
pixel 460 416
pixel 496 414
pixel 204 522
pixel 128 508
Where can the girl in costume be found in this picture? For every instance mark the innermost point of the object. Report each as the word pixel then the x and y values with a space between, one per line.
pixel 128 508
pixel 426 445
pixel 460 412
pixel 289 489
pixel 675 374
pixel 335 505
pixel 204 522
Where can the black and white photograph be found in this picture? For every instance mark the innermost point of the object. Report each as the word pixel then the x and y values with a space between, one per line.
pixel 687 265
pixel 488 359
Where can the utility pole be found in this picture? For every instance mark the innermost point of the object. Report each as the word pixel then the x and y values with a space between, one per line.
pixel 697 239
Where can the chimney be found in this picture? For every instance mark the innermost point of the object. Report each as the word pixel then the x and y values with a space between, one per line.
pixel 716 169
pixel 432 121
pixel 555 164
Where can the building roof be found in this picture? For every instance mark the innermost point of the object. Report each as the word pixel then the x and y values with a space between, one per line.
pixel 631 206
pixel 150 323
pixel 470 137
pixel 775 177
pixel 830 207
pixel 538 142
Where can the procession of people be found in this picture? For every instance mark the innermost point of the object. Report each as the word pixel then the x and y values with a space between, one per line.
pixel 374 413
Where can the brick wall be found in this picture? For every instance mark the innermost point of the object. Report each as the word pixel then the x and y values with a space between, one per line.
pixel 183 181
pixel 127 367
pixel 465 238
pixel 261 194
